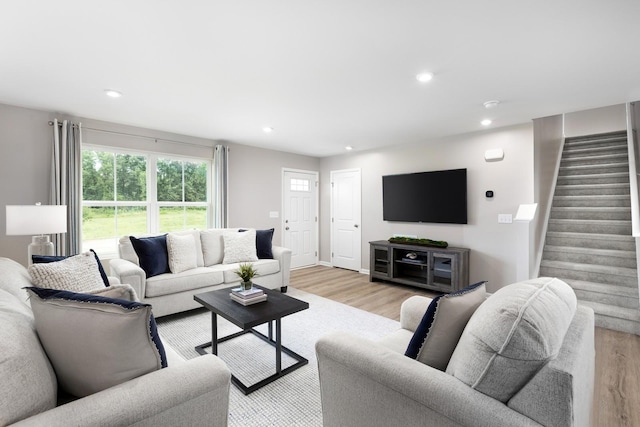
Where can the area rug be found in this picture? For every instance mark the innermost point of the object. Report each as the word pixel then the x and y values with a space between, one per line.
pixel 293 400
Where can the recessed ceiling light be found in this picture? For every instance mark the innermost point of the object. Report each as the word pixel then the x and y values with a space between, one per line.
pixel 267 129
pixel 424 77
pixel 491 104
pixel 348 148
pixel 113 93
pixel 485 122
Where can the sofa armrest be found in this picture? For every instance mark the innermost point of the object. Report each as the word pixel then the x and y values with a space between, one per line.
pixel 363 383
pixel 195 392
pixel 283 255
pixel 412 310
pixel 129 273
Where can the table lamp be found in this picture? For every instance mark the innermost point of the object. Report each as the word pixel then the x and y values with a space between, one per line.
pixel 38 221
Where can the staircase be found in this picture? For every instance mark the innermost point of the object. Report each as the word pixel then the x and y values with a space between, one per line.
pixel 589 243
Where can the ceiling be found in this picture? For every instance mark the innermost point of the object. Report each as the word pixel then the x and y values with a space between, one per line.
pixel 323 74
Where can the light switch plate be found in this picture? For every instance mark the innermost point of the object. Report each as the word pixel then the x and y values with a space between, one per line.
pixel 505 218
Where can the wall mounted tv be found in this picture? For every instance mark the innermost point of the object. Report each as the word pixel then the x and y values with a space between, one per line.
pixel 437 196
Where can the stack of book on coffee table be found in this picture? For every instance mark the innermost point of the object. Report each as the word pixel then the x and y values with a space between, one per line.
pixel 249 296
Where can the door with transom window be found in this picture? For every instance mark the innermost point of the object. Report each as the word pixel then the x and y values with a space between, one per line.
pixel 300 216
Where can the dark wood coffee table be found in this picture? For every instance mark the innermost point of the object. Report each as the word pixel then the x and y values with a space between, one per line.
pixel 273 309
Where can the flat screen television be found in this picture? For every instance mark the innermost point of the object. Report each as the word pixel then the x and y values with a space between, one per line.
pixel 436 196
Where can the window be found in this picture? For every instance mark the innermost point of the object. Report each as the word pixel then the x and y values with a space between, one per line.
pixel 136 193
pixel 299 185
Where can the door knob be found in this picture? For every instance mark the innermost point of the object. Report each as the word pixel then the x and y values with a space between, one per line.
pixel 286 228
pixel 355 225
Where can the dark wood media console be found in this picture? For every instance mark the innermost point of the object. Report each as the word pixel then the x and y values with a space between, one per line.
pixel 440 270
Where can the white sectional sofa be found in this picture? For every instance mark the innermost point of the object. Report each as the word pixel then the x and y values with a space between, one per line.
pixel 171 293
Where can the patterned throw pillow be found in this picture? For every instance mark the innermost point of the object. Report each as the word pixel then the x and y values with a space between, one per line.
pixel 77 273
pixel 239 247
pixel 43 259
pixel 95 342
pixel 440 329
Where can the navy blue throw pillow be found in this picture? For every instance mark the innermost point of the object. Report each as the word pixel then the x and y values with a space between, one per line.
pixel 264 245
pixel 44 259
pixel 51 294
pixel 152 254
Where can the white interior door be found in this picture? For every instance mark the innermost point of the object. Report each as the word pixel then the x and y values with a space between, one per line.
pixel 346 234
pixel 300 216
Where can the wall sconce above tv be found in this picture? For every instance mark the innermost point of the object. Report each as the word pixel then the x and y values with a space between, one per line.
pixel 436 196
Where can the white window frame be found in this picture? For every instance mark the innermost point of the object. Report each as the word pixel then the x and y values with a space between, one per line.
pixel 152 204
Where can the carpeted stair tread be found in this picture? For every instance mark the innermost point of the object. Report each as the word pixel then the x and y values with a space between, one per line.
pixel 618 188
pixel 573 160
pixel 590 200
pixel 623 291
pixel 612 311
pixel 591 268
pixel 593 168
pixel 592 251
pixel 587 212
pixel 591 240
pixel 620 146
pixel 602 178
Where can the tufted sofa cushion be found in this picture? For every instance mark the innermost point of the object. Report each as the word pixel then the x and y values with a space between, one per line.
pixel 512 335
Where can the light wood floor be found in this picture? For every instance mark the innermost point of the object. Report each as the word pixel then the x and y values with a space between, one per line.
pixel 617 382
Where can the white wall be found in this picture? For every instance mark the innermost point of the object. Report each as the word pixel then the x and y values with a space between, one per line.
pixel 255 185
pixel 25 172
pixel 547 150
pixel 493 246
pixel 598 120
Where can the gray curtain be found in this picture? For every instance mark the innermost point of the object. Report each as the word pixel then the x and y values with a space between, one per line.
pixel 66 185
pixel 220 185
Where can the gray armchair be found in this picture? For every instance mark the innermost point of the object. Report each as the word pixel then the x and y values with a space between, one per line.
pixel 365 383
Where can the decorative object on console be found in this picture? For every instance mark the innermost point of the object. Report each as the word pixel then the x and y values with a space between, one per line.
pixel 43 220
pixel 246 272
pixel 440 329
pixel 112 340
pixel 419 242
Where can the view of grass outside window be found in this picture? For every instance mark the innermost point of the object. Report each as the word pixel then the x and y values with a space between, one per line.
pixel 116 199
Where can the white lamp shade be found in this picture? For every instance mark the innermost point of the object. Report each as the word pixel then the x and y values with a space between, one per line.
pixel 27 220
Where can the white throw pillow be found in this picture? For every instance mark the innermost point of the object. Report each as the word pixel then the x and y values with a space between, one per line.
pixel 213 246
pixel 240 247
pixel 181 250
pixel 78 273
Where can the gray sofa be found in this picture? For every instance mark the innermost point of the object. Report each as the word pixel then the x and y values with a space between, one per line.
pixel 365 383
pixel 171 293
pixel 193 392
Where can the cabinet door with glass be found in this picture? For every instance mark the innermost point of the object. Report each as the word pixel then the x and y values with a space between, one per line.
pixel 444 270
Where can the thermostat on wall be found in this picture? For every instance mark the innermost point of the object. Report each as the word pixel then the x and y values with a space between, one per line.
pixel 489 194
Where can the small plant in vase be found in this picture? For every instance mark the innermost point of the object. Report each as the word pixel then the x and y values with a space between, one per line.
pixel 246 272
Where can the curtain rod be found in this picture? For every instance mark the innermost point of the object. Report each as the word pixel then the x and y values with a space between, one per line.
pixel 156 140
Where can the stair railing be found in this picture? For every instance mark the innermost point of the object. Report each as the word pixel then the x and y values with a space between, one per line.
pixel 632 143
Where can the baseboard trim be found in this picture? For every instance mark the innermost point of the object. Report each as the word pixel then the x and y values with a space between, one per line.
pixel 325 264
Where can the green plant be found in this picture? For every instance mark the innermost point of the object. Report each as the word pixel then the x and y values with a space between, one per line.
pixel 246 271
pixel 420 242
